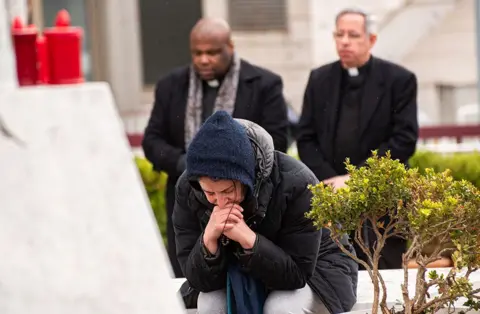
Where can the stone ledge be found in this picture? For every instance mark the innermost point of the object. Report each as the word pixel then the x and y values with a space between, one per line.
pixel 392 278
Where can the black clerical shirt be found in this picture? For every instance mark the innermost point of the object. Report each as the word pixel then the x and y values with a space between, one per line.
pixel 347 139
pixel 208 100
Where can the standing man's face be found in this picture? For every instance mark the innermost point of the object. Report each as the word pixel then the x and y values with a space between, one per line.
pixel 352 41
pixel 211 56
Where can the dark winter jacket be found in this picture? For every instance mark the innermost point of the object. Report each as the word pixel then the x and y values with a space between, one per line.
pixel 289 253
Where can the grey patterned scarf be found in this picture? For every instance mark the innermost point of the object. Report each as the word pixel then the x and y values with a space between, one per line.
pixel 225 99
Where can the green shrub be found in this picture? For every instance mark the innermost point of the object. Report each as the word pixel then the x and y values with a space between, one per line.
pixel 155 184
pixel 461 166
pixel 423 207
pixel 464 166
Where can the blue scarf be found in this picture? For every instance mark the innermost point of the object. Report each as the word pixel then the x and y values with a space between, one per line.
pixel 245 295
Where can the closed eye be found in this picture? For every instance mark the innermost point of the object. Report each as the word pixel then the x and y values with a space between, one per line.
pixel 228 190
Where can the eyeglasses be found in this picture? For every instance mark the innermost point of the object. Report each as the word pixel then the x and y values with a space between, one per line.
pixel 349 35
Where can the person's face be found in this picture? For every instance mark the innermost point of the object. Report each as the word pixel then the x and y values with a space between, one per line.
pixel 211 56
pixel 352 41
pixel 222 192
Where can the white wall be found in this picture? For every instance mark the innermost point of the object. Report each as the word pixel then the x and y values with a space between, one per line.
pixel 121 54
pixel 8 78
pixel 16 8
pixel 446 55
pixel 409 26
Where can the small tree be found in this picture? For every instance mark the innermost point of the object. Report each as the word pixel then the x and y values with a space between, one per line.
pixel 421 208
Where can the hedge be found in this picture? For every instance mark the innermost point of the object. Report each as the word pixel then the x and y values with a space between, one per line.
pixel 463 166
pixel 155 184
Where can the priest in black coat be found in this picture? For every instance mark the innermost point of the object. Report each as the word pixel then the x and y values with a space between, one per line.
pixel 355 105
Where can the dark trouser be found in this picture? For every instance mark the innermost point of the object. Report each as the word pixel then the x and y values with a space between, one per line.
pixel 171 247
pixel 391 255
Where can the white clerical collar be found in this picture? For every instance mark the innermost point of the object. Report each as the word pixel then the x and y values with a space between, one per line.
pixel 352 71
pixel 213 83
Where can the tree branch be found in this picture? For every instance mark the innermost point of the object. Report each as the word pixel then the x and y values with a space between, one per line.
pixel 374 221
pixel 352 256
pixel 375 276
pixel 438 252
pixel 470 270
pixel 420 286
pixel 411 250
pixel 391 224
pixel 360 241
pixel 472 294
pixel 394 224
pixel 444 299
pixel 433 302
pixel 380 243
pixel 406 257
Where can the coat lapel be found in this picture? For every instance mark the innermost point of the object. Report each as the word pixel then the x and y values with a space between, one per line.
pixel 243 99
pixel 372 94
pixel 242 102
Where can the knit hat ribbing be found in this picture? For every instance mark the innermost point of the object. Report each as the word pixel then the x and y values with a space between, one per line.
pixel 222 150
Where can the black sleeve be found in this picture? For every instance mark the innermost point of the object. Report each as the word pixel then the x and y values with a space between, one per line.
pixel 205 272
pixel 308 145
pixel 274 113
pixel 404 137
pixel 158 151
pixel 290 262
pixel 403 140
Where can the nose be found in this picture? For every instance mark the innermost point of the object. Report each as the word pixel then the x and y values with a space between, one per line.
pixel 222 201
pixel 345 40
pixel 204 59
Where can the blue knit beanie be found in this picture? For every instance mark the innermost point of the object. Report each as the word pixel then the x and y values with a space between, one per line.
pixel 222 150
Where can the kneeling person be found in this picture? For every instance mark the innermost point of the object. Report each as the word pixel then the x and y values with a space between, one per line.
pixel 242 237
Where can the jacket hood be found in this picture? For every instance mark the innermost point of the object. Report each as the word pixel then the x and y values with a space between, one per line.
pixel 262 143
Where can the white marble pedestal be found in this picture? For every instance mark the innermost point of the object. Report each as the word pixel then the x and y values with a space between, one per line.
pixel 393 280
pixel 77 234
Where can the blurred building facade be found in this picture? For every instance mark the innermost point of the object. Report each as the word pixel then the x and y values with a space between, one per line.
pixel 131 44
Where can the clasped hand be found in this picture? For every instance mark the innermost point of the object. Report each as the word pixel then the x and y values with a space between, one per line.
pixel 337 182
pixel 228 221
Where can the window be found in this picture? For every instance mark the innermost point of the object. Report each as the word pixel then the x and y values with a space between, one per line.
pixel 165 32
pixel 258 15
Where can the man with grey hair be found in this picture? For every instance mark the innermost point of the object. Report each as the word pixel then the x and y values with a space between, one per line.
pixel 355 105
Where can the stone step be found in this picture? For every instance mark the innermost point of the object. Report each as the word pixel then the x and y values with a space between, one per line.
pixel 393 279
